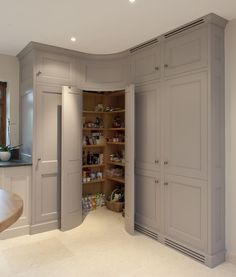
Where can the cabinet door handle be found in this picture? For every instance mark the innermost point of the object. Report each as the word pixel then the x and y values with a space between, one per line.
pixel 165 162
pixel 156 68
pixel 38 73
pixel 156 161
pixel 156 181
pixel 166 184
pixel 166 65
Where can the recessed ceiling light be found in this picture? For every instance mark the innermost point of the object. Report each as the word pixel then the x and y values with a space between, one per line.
pixel 131 1
pixel 73 39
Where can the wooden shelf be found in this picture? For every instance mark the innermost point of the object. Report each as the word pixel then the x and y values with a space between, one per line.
pixel 116 129
pixel 116 163
pixel 117 111
pixel 116 143
pixel 110 112
pixel 95 181
pixel 119 180
pixel 93 165
pixel 94 129
pixel 93 112
pixel 94 146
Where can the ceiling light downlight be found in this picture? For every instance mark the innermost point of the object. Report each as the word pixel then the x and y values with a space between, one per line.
pixel 131 1
pixel 73 39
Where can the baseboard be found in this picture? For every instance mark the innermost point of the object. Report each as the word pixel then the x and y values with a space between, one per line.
pixel 15 232
pixel 231 257
pixel 216 259
pixel 44 227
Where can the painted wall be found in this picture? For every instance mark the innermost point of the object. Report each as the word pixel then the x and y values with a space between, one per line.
pixel 230 67
pixel 9 72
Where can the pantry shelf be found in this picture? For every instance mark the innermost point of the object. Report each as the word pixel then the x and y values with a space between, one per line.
pixel 94 129
pixel 119 180
pixel 100 112
pixel 93 165
pixel 116 143
pixel 94 146
pixel 116 163
pixel 116 129
pixel 94 182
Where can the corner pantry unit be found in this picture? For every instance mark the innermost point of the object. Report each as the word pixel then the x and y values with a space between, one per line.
pixel 97 151
pixel 179 135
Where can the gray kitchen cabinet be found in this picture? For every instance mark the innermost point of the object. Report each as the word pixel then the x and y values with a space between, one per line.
pixel 55 68
pixel 146 64
pixel 185 116
pixel 179 120
pixel 186 52
pixel 148 200
pixel 18 180
pixel 105 72
pixel 185 203
pixel 148 128
pixel 47 166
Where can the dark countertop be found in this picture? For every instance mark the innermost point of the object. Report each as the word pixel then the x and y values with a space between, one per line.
pixel 14 163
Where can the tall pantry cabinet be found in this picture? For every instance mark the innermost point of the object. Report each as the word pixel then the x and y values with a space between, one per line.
pixel 180 139
pixel 179 132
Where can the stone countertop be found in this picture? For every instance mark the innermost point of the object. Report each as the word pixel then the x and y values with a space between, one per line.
pixel 14 163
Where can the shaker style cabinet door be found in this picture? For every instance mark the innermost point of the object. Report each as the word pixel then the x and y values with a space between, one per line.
pixel 71 158
pixel 55 69
pixel 186 52
pixel 146 64
pixel 185 203
pixel 147 129
pixel 47 189
pixel 129 159
pixel 148 199
pixel 185 126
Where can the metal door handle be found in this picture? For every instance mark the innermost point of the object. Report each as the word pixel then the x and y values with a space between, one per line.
pixel 156 181
pixel 166 184
pixel 166 65
pixel 156 68
pixel 38 73
pixel 165 162
pixel 156 161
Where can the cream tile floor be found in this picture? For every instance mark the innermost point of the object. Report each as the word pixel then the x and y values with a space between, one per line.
pixel 100 247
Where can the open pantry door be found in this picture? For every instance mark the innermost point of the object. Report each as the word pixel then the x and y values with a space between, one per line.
pixel 71 157
pixel 129 159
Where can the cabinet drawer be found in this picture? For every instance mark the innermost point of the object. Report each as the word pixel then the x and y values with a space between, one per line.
pixel 146 64
pixel 185 53
pixel 55 69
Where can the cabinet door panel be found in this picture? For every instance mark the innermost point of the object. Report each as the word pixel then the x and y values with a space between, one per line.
pixel 71 167
pixel 147 115
pixel 146 64
pixel 55 69
pixel 185 123
pixel 186 52
pixel 47 175
pixel 148 199
pixel 186 210
pixel 129 159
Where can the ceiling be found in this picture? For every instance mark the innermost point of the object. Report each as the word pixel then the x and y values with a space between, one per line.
pixel 100 26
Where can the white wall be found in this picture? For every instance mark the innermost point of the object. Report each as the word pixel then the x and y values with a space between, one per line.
pixel 230 67
pixel 9 72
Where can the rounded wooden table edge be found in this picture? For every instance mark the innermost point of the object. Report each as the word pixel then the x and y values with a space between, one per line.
pixel 15 213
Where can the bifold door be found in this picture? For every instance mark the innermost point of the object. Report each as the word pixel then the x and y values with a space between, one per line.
pixel 71 155
pixel 71 189
pixel 129 159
